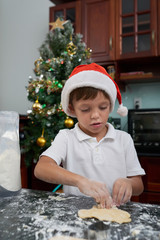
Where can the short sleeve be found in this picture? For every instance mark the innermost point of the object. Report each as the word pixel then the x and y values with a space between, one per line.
pixel 57 150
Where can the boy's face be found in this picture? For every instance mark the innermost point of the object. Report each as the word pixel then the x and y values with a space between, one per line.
pixel 92 115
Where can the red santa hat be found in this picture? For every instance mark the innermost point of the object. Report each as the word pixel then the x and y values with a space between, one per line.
pixel 92 75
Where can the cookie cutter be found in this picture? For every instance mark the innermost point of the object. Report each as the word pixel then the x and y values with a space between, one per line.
pixel 98 231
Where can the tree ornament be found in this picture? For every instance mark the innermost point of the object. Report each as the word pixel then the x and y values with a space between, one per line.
pixel 36 106
pixel 57 24
pixel 41 141
pixel 69 122
pixel 59 108
pixel 37 64
pixel 59 85
pixel 43 106
pixel 49 82
pixel 71 48
pixel 88 52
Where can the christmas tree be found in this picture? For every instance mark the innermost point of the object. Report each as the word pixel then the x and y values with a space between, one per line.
pixel 60 53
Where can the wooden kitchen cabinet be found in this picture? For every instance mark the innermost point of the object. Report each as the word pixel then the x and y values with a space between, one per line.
pixel 98 28
pixel 24 169
pixel 136 28
pixel 158 33
pixel 137 41
pixel 95 19
pixel 115 29
pixel 152 177
pixel 122 33
pixel 151 180
pixel 38 184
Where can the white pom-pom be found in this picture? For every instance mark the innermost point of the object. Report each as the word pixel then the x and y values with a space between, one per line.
pixel 122 111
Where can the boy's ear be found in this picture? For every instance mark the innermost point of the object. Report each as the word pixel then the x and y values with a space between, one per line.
pixel 71 108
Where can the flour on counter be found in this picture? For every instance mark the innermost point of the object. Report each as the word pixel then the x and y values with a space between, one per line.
pixel 58 198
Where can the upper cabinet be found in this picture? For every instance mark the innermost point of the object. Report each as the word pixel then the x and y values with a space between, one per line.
pixel 98 28
pixel 136 28
pixel 115 30
pixel 68 11
pixel 95 19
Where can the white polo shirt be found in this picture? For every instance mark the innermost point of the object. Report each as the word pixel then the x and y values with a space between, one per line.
pixel 112 157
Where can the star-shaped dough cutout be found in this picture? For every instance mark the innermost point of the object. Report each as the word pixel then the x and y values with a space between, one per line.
pixel 57 24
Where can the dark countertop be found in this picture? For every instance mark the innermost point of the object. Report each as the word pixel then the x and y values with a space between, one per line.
pixel 41 215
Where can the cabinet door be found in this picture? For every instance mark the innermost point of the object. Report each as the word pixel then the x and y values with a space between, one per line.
pixel 158 28
pixel 151 180
pixel 24 169
pixel 98 28
pixel 136 28
pixel 150 197
pixel 69 11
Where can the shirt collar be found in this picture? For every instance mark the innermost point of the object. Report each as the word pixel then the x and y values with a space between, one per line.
pixel 111 133
pixel 83 136
pixel 80 134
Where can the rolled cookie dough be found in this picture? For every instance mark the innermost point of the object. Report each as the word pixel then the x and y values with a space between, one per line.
pixel 112 214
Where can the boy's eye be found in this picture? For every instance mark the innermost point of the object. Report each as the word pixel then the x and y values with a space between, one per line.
pixel 85 110
pixel 104 107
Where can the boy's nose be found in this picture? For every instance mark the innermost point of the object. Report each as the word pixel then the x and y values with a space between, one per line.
pixel 95 114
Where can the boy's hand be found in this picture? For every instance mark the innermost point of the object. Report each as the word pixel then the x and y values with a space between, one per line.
pixel 98 191
pixel 122 191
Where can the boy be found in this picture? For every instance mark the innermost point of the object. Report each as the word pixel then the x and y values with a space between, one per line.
pixel 98 160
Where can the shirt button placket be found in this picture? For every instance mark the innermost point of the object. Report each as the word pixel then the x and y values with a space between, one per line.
pixel 96 155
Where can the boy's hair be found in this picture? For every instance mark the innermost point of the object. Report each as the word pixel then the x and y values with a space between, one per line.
pixel 85 93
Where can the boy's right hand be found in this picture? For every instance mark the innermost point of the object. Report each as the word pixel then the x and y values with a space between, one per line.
pixel 97 190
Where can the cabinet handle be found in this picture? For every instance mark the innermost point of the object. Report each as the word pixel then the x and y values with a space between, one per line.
pixel 110 43
pixel 153 37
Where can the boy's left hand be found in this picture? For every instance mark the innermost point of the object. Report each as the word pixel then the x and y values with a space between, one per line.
pixel 122 191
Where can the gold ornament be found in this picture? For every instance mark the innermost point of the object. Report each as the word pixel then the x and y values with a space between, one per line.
pixel 111 71
pixel 36 106
pixel 71 48
pixel 57 24
pixel 38 61
pixel 37 64
pixel 41 141
pixel 69 122
pixel 88 52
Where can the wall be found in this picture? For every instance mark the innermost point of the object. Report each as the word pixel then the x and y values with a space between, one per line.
pixel 23 27
pixel 149 94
